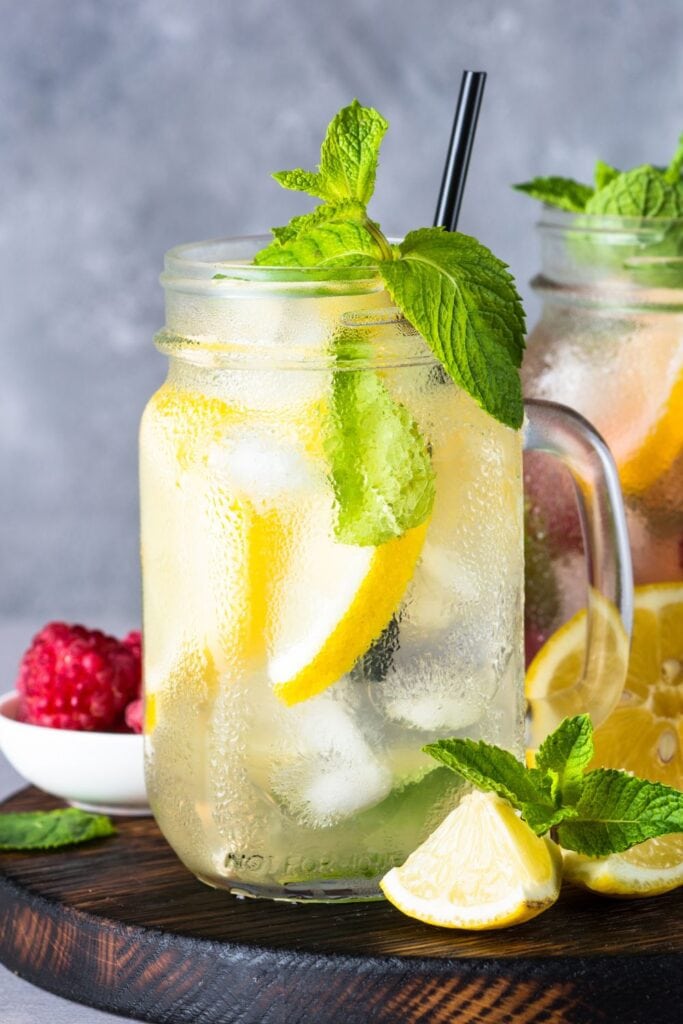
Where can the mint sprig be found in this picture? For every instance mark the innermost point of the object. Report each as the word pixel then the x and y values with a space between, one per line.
pixel 644 191
pixel 595 812
pixel 47 830
pixel 458 295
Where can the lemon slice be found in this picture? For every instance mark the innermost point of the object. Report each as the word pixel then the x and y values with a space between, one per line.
pixel 556 685
pixel 482 868
pixel 659 449
pixel 648 869
pixel 644 733
pixel 330 601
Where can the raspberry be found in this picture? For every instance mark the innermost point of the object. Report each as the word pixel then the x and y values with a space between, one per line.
pixel 133 715
pixel 75 678
pixel 134 641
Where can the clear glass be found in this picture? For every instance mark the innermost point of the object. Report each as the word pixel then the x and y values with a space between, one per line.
pixel 609 344
pixel 248 589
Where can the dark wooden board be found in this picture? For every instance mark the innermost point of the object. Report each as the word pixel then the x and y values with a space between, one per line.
pixel 120 924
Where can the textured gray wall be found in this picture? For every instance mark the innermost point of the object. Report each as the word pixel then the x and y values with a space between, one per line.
pixel 131 125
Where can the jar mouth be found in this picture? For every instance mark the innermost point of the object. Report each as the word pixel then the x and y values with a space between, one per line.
pixel 563 221
pixel 225 266
pixel 638 261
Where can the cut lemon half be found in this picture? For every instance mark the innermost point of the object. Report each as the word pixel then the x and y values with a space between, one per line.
pixel 644 733
pixel 330 601
pixel 558 684
pixel 659 449
pixel 482 868
pixel 648 869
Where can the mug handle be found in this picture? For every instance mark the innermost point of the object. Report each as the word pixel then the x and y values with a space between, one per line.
pixel 564 434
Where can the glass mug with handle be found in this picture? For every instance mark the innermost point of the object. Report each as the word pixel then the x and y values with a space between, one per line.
pixel 332 549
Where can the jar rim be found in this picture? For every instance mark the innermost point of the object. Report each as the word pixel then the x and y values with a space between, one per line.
pixel 225 265
pixel 554 219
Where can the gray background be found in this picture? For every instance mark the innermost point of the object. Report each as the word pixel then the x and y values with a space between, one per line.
pixel 129 126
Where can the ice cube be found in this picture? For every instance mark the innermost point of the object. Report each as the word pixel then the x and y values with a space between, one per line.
pixel 263 469
pixel 324 770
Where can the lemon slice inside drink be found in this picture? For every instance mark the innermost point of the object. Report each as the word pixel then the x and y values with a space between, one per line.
pixel 482 868
pixel 330 601
pixel 659 449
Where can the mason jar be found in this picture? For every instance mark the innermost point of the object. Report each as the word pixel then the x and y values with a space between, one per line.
pixel 332 552
pixel 609 344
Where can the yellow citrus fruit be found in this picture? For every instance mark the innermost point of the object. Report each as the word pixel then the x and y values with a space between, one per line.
pixel 330 602
pixel 658 449
pixel 644 733
pixel 557 683
pixel 482 868
pixel 648 869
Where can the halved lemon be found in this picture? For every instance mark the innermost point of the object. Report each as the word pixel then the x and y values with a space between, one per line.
pixel 648 869
pixel 482 868
pixel 644 733
pixel 558 684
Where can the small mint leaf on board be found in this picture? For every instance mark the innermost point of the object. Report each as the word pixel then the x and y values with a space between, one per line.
pixel 350 151
pixel 327 244
pixel 380 468
pixel 564 193
pixel 604 174
pixel 47 830
pixel 464 303
pixel 644 191
pixel 565 754
pixel 617 811
pixel 493 769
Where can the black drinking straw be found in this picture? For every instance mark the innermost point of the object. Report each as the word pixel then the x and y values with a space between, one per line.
pixel 459 149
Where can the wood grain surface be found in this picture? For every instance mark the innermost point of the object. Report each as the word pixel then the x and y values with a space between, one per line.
pixel 120 924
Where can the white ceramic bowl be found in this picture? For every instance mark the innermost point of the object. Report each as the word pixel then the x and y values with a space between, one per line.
pixel 98 771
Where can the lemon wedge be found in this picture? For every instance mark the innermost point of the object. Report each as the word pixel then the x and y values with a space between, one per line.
pixel 648 869
pixel 556 686
pixel 482 868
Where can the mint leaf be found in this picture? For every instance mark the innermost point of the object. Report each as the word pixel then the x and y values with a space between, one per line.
pixel 642 192
pixel 46 830
pixel 603 174
pixel 380 468
pixel 617 811
pixel 565 754
pixel 350 151
pixel 348 158
pixel 463 301
pixel 349 209
pixel 493 769
pixel 675 168
pixel 328 244
pixel 564 193
pixel 299 180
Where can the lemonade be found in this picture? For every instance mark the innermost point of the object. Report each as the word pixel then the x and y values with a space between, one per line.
pixel 292 677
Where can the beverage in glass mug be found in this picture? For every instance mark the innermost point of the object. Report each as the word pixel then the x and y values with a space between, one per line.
pixel 301 650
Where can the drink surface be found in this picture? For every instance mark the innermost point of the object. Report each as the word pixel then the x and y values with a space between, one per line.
pixel 292 678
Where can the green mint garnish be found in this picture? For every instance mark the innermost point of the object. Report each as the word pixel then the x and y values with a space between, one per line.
pixel 644 191
pixel 48 830
pixel 457 294
pixel 564 193
pixel 595 812
pixel 381 472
